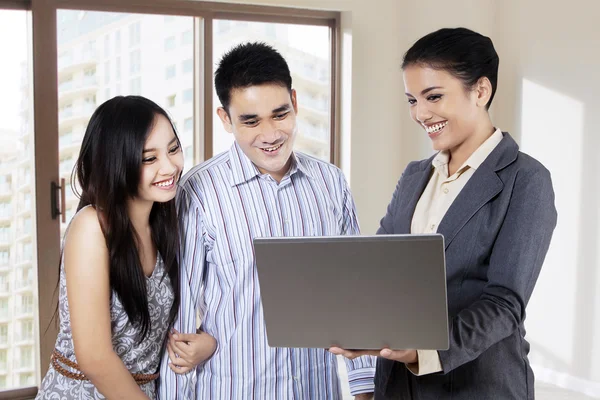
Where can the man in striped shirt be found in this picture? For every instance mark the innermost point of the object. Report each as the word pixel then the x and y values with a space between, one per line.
pixel 259 188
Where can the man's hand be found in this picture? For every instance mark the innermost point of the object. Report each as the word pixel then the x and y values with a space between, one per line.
pixel 188 350
pixel 364 396
pixel 404 356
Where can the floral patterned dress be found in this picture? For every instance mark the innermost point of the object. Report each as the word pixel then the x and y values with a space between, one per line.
pixel 141 357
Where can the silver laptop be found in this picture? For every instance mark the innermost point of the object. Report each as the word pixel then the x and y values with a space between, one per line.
pixel 356 292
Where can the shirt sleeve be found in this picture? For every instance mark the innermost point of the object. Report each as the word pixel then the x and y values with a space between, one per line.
pixel 428 363
pixel 361 370
pixel 191 267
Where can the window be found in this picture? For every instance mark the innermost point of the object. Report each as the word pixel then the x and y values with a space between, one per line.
pixel 135 86
pixel 117 42
pixel 107 72
pixel 135 61
pixel 188 96
pixel 106 46
pixel 170 72
pixel 188 124
pixel 118 68
pixel 26 379
pixel 187 66
pixel 157 62
pixel 3 334
pixel 186 37
pixel 16 156
pixel 135 34
pixel 171 100
pixel 306 50
pixel 26 330
pixel 3 365
pixel 170 43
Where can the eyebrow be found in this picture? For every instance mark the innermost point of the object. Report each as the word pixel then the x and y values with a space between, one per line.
pixel 153 149
pixel 425 91
pixel 281 108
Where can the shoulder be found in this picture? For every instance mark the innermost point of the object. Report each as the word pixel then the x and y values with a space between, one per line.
pixel 418 166
pixel 317 167
pixel 526 167
pixel 202 171
pixel 85 233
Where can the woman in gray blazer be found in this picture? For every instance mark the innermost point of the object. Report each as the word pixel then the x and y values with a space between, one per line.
pixel 495 207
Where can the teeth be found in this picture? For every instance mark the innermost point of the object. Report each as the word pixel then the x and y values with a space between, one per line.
pixel 272 148
pixel 165 183
pixel 436 127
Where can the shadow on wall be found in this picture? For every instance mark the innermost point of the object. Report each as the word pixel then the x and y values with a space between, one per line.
pixel 553 62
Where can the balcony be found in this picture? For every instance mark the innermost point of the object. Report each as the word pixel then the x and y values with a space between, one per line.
pixel 26 182
pixel 69 63
pixel 5 190
pixel 4 289
pixel 6 215
pixel 24 234
pixel 71 90
pixel 70 116
pixel 24 285
pixel 4 315
pixel 24 310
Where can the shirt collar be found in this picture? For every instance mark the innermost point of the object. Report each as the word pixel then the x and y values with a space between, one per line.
pixel 244 170
pixel 440 161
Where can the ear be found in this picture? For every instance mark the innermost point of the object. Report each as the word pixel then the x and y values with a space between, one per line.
pixel 294 101
pixel 224 117
pixel 483 90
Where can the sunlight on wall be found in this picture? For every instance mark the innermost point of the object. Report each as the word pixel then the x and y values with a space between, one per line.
pixel 552 132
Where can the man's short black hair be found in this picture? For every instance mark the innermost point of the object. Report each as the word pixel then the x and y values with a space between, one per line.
pixel 250 64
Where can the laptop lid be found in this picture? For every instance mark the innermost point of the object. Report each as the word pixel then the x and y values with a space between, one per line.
pixel 356 292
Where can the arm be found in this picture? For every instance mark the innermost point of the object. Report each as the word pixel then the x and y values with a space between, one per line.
pixel 182 385
pixel 361 370
pixel 86 264
pixel 515 263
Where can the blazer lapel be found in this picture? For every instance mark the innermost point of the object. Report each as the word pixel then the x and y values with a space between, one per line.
pixel 483 186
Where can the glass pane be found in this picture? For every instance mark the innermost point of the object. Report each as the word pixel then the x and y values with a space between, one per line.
pixel 18 267
pixel 102 55
pixel 307 52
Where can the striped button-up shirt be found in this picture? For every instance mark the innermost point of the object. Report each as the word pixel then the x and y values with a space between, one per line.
pixel 223 204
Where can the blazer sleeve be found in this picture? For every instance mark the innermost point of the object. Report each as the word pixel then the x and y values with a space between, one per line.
pixel 514 266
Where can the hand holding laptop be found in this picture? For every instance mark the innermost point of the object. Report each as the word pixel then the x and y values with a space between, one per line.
pixel 404 356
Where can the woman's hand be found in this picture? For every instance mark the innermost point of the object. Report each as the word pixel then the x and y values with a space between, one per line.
pixel 186 351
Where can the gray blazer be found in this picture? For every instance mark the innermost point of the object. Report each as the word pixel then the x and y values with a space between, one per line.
pixel 497 233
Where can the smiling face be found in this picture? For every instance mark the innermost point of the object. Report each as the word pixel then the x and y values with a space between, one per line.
pixel 162 163
pixel 454 117
pixel 262 119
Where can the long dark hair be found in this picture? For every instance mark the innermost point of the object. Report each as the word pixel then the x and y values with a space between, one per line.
pixel 465 54
pixel 108 171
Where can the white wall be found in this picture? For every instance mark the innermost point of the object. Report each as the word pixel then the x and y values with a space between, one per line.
pixel 551 61
pixel 549 92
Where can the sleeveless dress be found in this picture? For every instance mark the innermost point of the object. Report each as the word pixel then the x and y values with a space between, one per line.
pixel 141 358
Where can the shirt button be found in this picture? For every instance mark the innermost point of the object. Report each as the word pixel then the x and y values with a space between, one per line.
pixel 446 190
pixel 432 227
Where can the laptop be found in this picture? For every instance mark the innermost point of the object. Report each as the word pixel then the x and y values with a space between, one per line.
pixel 355 292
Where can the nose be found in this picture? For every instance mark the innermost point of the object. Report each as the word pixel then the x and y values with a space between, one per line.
pixel 167 166
pixel 271 133
pixel 422 113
